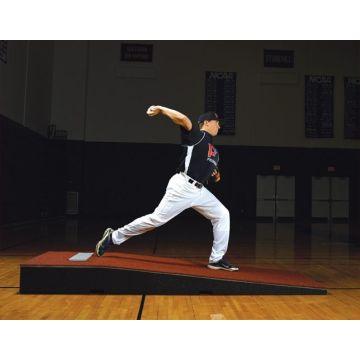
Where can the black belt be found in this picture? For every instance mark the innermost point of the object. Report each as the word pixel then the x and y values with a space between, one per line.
pixel 197 184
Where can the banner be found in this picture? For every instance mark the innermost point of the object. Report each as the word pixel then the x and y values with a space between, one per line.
pixel 352 108
pixel 319 106
pixel 3 51
pixel 279 58
pixel 220 96
pixel 136 52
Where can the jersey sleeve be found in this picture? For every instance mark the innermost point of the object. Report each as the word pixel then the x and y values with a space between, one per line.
pixel 190 137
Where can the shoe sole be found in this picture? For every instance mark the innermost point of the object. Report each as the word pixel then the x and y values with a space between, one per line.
pixel 220 268
pixel 105 235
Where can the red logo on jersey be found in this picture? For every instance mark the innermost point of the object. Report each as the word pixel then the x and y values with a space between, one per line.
pixel 212 151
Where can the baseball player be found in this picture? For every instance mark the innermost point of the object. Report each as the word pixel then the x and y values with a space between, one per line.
pixel 186 188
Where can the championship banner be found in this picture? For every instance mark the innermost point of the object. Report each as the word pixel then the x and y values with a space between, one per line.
pixel 319 106
pixel 352 108
pixel 220 96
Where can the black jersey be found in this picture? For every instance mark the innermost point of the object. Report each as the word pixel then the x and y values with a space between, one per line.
pixel 200 157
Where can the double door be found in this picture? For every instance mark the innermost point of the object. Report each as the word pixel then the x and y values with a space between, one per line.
pixel 275 197
pixel 330 198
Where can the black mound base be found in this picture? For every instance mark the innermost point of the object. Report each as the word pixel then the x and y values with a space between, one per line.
pixel 59 280
pixel 52 273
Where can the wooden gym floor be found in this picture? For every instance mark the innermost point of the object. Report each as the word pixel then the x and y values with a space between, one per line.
pixel 328 255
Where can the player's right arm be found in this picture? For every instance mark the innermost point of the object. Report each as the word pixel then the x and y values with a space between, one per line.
pixel 177 117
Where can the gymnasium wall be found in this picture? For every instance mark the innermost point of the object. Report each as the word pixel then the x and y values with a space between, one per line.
pixel 12 81
pixel 96 97
pixel 69 88
pixel 39 91
pixel 113 148
pixel 32 168
pixel 123 179
pixel 32 174
pixel 26 84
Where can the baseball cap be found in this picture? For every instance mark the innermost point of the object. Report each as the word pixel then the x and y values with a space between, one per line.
pixel 210 115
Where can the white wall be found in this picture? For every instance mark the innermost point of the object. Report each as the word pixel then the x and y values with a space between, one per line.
pixel 101 105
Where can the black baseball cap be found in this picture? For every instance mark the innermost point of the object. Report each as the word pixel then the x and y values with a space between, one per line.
pixel 210 115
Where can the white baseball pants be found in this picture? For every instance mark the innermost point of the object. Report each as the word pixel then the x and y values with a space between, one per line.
pixel 181 195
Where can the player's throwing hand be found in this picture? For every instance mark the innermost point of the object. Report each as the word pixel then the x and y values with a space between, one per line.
pixel 153 110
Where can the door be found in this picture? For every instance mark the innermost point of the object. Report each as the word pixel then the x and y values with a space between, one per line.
pixel 275 197
pixel 330 198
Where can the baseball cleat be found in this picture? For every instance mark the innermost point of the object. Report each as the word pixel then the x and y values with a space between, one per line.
pixel 104 243
pixel 222 264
